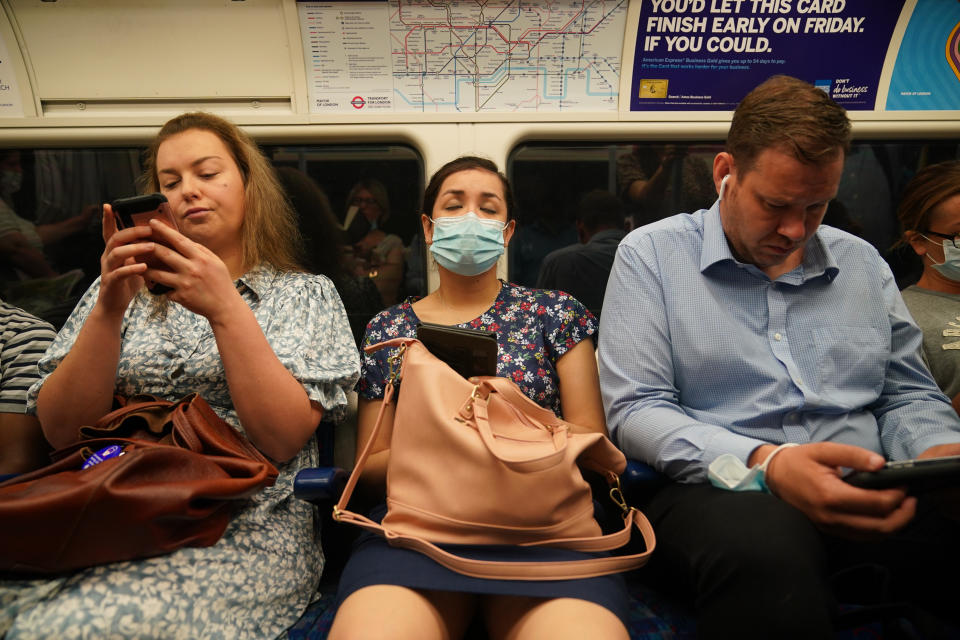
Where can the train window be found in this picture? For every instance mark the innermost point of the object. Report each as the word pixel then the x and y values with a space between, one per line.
pixel 555 184
pixel 373 194
pixel 50 238
pixel 568 195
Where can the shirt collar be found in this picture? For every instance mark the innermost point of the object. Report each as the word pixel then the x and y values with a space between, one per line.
pixel 715 247
pixel 257 280
pixel 818 260
pixel 606 234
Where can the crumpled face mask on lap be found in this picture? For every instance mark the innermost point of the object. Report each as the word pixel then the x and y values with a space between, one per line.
pixel 728 472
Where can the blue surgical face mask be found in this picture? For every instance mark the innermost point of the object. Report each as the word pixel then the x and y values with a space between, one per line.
pixel 467 244
pixel 950 267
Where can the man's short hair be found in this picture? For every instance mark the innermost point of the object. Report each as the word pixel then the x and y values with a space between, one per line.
pixel 789 115
pixel 600 209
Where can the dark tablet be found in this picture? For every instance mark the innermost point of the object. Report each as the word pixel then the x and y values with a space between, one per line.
pixel 916 475
pixel 469 352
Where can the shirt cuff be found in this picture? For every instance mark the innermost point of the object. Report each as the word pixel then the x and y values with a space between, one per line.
pixel 728 442
pixel 921 444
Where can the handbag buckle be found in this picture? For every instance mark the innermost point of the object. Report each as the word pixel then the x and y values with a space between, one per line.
pixel 616 494
pixel 392 361
pixel 474 395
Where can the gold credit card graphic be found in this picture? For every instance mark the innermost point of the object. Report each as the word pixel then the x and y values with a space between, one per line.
pixel 653 88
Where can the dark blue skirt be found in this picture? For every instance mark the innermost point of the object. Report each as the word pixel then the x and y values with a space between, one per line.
pixel 373 561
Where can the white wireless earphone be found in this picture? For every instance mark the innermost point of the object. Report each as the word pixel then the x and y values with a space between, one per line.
pixel 723 185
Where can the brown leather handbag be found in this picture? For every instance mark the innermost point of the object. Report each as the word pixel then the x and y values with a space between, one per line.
pixel 182 473
pixel 481 463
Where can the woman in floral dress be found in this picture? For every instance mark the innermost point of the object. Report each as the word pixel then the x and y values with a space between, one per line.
pixel 544 348
pixel 268 346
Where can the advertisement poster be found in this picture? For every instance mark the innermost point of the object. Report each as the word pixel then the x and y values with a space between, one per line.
pixel 10 105
pixel 707 54
pixel 926 75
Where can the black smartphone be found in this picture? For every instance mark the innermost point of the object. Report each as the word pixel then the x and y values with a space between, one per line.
pixel 916 475
pixel 469 352
pixel 140 210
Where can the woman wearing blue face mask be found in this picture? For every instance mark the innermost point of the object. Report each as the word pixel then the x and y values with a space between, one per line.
pixel 930 217
pixel 544 348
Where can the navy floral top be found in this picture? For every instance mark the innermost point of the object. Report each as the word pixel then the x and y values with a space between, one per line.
pixel 534 328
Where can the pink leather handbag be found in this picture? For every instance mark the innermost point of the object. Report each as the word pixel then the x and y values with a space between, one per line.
pixel 483 464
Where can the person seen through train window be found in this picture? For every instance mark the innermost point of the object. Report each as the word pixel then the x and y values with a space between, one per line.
pixel 732 331
pixel 21 241
pixel 929 215
pixel 326 251
pixel 267 345
pixel 656 181
pixel 544 347
pixel 377 251
pixel 582 269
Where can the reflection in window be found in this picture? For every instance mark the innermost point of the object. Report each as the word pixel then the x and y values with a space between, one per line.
pixel 358 208
pixel 658 179
pixel 561 213
pixel 50 233
pixel 50 240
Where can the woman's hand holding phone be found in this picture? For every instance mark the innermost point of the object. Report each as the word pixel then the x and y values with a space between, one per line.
pixel 121 275
pixel 199 280
pixel 144 246
pixel 138 211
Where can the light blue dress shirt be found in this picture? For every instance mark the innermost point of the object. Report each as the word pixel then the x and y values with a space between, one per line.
pixel 702 355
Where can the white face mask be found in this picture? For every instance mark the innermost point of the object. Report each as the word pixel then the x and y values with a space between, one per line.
pixel 10 182
pixel 950 267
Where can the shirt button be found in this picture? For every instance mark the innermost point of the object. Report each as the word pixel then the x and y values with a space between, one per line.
pixel 799 382
pixel 777 337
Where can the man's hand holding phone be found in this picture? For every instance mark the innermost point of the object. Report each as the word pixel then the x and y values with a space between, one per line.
pixel 808 477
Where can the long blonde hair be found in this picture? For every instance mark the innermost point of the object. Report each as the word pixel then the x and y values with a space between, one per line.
pixel 269 233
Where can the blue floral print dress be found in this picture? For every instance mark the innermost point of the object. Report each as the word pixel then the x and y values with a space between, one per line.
pixel 257 580
pixel 535 328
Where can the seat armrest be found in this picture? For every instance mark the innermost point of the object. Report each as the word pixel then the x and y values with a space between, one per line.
pixel 639 480
pixel 641 473
pixel 320 484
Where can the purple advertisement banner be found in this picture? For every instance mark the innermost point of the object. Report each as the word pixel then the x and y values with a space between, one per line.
pixel 705 55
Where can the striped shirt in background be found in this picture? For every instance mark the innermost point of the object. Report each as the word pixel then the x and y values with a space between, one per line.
pixel 23 340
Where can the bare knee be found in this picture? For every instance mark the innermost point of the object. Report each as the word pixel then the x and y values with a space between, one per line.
pixel 523 618
pixel 389 611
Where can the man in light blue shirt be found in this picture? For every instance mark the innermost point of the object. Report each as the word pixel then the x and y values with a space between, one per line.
pixel 748 326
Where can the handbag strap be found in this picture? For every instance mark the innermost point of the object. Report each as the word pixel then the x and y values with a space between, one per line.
pixel 550 570
pixel 536 570
pixel 478 406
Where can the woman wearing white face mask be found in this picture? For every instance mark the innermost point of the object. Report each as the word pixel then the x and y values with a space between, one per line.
pixel 22 242
pixel 544 347
pixel 930 217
